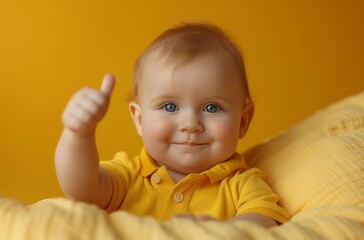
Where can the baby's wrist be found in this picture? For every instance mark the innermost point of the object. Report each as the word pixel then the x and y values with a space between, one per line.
pixel 80 133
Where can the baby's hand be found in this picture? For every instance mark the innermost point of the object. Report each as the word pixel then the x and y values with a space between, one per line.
pixel 87 107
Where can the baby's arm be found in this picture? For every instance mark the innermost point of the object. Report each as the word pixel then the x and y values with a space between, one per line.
pixel 76 158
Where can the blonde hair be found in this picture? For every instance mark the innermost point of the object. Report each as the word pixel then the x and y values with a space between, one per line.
pixel 187 42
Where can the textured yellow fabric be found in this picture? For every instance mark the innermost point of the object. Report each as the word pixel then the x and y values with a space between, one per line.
pixel 319 161
pixel 64 219
pixel 316 167
pixel 223 192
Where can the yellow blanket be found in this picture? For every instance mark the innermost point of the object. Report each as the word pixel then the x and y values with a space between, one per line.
pixel 65 219
pixel 316 167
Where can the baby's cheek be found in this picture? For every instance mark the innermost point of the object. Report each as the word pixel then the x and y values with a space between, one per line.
pixel 225 131
pixel 160 129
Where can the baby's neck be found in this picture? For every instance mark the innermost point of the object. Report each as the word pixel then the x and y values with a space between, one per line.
pixel 176 176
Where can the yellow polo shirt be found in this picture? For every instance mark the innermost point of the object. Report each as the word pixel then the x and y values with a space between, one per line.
pixel 223 192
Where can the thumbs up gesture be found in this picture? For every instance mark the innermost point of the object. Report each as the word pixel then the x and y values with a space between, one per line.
pixel 87 107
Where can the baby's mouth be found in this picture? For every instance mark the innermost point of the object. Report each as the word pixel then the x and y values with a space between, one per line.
pixel 191 144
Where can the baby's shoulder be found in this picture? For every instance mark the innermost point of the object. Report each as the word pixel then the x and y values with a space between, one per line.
pixel 123 160
pixel 242 176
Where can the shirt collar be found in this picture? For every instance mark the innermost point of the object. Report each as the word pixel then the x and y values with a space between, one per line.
pixel 224 169
pixel 148 164
pixel 216 173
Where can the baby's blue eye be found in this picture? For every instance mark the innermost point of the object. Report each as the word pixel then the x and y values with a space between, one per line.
pixel 211 108
pixel 170 107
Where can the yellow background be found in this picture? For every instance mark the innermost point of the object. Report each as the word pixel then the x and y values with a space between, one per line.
pixel 300 56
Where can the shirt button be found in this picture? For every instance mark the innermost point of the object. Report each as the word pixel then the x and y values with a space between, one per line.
pixel 156 178
pixel 178 197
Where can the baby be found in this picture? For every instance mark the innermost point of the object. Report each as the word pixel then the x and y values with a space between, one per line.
pixel 191 104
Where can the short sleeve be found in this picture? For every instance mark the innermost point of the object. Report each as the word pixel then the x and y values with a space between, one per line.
pixel 257 197
pixel 118 170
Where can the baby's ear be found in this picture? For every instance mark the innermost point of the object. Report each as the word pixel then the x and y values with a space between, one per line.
pixel 136 114
pixel 246 117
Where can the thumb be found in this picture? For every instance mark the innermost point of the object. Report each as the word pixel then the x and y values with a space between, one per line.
pixel 107 85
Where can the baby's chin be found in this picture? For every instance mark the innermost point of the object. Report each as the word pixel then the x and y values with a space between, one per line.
pixel 188 162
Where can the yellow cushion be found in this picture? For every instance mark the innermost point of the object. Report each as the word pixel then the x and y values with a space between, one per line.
pixel 319 161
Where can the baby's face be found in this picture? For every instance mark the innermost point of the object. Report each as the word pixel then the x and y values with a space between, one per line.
pixel 191 115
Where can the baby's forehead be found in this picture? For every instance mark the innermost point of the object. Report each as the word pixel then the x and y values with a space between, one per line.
pixel 209 70
pixel 159 60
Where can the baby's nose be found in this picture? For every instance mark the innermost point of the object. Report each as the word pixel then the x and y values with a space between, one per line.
pixel 191 123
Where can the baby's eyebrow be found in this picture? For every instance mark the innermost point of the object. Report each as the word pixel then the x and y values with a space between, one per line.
pixel 159 99
pixel 219 98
